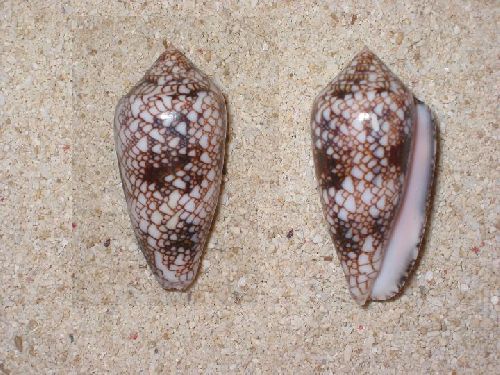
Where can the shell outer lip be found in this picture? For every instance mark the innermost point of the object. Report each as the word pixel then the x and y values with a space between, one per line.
pixel 426 209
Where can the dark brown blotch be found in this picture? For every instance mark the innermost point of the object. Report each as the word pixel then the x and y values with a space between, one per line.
pixel 182 243
pixel 326 171
pixel 193 93
pixel 342 243
pixel 398 154
pixel 157 175
pixel 341 90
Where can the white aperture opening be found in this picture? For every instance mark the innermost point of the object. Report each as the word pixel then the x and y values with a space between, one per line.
pixel 404 241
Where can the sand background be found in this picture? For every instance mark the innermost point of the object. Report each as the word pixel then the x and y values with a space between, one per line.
pixel 76 296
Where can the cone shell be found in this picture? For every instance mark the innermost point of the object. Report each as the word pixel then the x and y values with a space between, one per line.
pixel 169 132
pixel 374 152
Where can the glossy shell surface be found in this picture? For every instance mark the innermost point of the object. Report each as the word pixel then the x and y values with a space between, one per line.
pixel 365 125
pixel 169 132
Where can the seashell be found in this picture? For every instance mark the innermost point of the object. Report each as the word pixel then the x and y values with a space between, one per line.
pixel 374 149
pixel 170 132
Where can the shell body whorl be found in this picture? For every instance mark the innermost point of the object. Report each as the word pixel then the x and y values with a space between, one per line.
pixel 364 125
pixel 169 133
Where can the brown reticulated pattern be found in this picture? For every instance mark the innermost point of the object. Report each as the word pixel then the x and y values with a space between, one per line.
pixel 361 131
pixel 169 133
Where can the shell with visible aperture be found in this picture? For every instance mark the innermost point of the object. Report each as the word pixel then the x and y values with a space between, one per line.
pixel 374 151
pixel 170 134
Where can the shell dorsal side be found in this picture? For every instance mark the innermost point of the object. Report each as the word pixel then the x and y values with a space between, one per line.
pixel 363 128
pixel 169 132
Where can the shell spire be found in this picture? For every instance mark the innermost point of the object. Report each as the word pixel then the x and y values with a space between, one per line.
pixel 374 153
pixel 170 131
